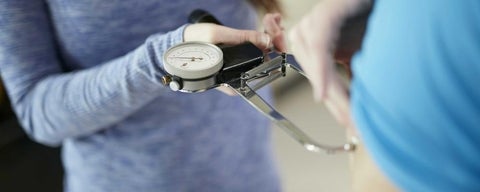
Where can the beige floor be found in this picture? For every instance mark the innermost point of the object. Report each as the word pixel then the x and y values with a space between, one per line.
pixel 304 171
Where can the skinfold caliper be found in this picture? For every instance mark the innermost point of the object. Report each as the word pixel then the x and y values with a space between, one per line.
pixel 198 66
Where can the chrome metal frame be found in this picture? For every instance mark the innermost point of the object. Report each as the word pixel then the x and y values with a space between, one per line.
pixel 264 74
pixel 271 71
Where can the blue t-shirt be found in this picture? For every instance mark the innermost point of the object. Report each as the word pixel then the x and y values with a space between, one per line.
pixel 86 74
pixel 416 93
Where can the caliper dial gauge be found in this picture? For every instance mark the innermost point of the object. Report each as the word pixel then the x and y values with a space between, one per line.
pixel 193 60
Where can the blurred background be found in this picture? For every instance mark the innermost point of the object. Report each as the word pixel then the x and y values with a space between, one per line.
pixel 302 171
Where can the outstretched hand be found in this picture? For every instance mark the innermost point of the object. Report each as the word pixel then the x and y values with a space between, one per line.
pixel 313 42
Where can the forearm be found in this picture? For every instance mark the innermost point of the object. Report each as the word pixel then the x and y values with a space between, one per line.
pixel 78 103
pixel 99 97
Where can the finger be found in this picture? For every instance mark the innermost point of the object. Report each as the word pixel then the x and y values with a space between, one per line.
pixel 272 24
pixel 228 35
pixel 215 34
pixel 320 46
pixel 322 68
pixel 299 49
pixel 309 57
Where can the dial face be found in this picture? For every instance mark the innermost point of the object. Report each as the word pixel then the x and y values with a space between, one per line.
pixel 193 60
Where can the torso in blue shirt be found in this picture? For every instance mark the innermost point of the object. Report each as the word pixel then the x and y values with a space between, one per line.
pixel 166 142
pixel 416 93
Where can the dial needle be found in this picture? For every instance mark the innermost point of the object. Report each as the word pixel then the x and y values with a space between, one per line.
pixel 189 58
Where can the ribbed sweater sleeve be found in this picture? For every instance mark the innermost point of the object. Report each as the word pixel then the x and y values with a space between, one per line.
pixel 52 104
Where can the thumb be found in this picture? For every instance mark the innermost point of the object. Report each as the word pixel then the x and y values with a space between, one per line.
pixel 216 34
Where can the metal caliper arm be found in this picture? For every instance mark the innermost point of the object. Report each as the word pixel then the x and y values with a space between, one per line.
pixel 248 93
